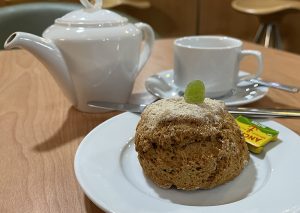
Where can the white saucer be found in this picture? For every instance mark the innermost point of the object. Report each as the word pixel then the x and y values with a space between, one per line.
pixel 162 84
pixel 107 169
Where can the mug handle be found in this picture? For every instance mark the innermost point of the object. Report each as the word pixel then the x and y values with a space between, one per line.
pixel 260 67
pixel 148 37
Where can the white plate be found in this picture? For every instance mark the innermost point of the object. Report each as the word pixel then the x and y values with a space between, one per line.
pixel 163 83
pixel 108 171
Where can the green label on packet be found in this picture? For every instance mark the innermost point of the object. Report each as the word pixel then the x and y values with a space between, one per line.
pixel 256 134
pixel 260 126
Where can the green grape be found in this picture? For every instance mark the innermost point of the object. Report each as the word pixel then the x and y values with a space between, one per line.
pixel 195 92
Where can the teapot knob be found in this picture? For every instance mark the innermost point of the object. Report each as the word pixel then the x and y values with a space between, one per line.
pixel 87 4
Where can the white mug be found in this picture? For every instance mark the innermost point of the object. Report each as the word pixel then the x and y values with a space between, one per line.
pixel 214 60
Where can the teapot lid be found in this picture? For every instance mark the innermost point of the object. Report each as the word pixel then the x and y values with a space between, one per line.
pixel 91 15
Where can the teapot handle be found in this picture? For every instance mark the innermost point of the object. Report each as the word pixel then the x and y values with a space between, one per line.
pixel 148 36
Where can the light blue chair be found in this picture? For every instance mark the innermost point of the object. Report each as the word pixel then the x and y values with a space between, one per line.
pixel 31 17
pixel 35 17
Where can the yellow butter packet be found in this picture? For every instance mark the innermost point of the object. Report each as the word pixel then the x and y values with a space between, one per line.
pixel 254 149
pixel 256 134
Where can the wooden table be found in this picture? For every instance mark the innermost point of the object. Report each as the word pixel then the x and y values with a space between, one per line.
pixel 40 130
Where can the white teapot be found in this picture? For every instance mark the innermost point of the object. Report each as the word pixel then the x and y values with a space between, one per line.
pixel 92 53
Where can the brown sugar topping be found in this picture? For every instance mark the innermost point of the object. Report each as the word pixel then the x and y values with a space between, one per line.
pixel 168 109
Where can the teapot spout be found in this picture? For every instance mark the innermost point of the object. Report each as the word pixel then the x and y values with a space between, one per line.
pixel 49 55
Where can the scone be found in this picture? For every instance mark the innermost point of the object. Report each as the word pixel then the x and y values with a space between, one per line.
pixel 189 146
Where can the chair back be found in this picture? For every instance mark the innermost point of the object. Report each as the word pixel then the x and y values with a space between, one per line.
pixel 36 17
pixel 31 17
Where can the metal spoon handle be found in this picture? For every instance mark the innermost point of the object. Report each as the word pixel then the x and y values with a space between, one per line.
pixel 250 112
pixel 276 85
pixel 265 112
